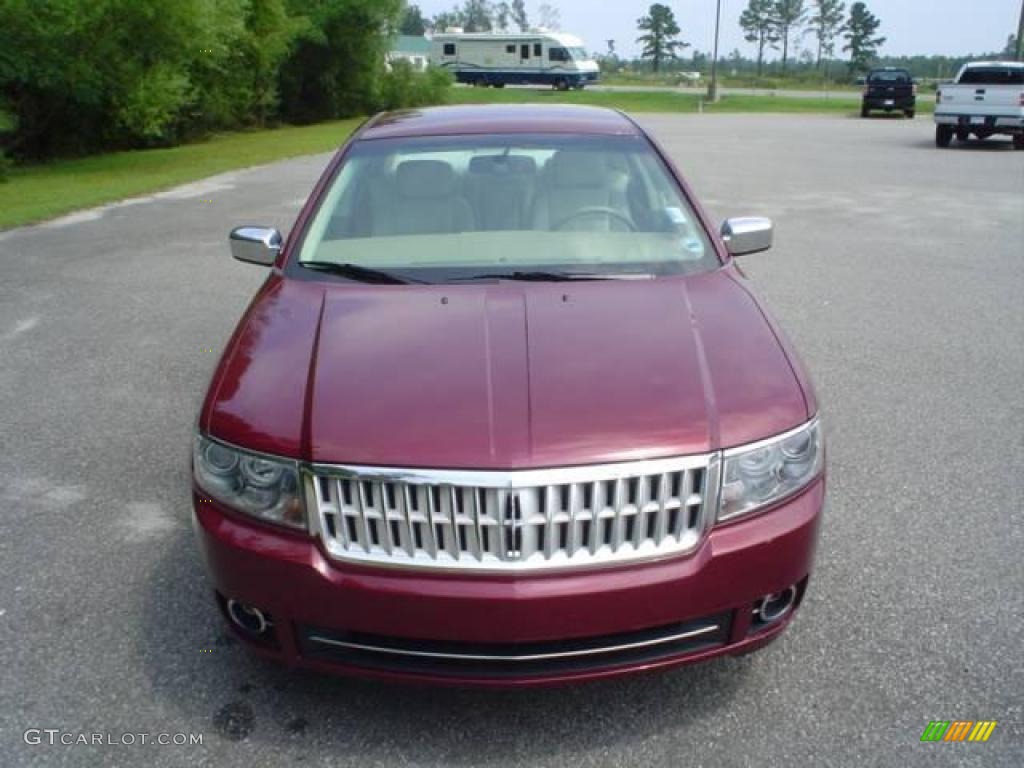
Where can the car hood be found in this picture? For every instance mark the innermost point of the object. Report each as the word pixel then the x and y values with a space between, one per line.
pixel 504 375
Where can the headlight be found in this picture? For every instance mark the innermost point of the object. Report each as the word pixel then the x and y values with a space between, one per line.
pixel 268 489
pixel 760 474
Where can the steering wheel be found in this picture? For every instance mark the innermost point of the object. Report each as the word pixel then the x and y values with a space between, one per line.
pixel 596 210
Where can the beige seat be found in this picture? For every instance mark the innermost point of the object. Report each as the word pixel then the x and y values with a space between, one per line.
pixel 424 198
pixel 502 188
pixel 575 181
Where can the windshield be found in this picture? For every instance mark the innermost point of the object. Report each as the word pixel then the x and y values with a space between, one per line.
pixel 889 77
pixel 992 76
pixel 448 208
pixel 578 54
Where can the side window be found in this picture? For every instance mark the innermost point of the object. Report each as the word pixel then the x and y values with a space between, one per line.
pixel 537 50
pixel 558 54
pixel 524 51
pixel 510 49
pixel 449 49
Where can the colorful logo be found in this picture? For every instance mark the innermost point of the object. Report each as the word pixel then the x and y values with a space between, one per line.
pixel 958 730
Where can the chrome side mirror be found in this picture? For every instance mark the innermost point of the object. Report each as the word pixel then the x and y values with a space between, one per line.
pixel 747 235
pixel 256 245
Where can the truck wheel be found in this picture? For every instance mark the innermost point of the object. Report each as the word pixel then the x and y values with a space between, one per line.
pixel 910 114
pixel 962 135
pixel 1018 141
pixel 943 135
pixel 864 111
pixel 561 85
pixel 499 85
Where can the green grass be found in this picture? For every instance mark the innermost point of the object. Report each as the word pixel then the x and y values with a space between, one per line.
pixel 767 83
pixel 38 192
pixel 659 101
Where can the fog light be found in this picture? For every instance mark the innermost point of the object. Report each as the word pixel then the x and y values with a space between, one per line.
pixel 252 621
pixel 773 607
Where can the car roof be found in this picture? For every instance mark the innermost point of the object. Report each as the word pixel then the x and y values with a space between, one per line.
pixel 498 119
pixel 1008 64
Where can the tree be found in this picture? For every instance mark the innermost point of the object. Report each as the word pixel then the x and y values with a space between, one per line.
pixel 519 15
pixel 448 19
pixel 270 34
pixel 78 77
pixel 412 22
pixel 336 67
pixel 788 16
pixel 477 16
pixel 860 40
pixel 550 18
pixel 660 42
pixel 502 14
pixel 611 49
pixel 1010 51
pixel 758 24
pixel 825 23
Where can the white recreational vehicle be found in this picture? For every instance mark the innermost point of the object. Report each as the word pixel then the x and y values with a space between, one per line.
pixel 543 58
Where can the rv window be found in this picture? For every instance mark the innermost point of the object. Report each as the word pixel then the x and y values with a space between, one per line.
pixel 524 51
pixel 510 49
pixel 537 50
pixel 558 54
pixel 449 49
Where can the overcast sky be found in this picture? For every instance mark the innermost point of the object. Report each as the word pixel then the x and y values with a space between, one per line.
pixel 910 26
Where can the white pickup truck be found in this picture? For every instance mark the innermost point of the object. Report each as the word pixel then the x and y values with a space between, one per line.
pixel 986 98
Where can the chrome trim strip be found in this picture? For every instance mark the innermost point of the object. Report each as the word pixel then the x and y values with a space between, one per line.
pixel 515 478
pixel 523 657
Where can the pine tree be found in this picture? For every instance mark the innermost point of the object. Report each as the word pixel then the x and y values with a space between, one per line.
pixel 758 22
pixel 860 40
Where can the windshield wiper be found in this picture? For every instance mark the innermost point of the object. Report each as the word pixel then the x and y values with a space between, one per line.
pixel 356 272
pixel 552 277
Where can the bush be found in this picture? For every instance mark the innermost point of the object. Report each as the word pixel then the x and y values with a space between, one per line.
pixel 403 87
pixel 79 76
pixel 5 166
pixel 87 75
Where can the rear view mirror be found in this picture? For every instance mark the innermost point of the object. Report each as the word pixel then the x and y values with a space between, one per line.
pixel 747 235
pixel 256 245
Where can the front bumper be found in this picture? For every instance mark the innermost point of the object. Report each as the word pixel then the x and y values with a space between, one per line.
pixel 326 614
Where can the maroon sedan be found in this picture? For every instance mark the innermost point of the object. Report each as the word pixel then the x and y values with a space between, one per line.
pixel 505 412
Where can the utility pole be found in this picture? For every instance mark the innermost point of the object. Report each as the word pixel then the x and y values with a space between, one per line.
pixel 713 85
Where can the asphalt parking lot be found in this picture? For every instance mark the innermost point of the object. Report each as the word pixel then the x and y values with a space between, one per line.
pixel 898 271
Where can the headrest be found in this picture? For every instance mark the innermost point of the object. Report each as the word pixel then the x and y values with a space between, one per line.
pixel 425 178
pixel 578 169
pixel 503 165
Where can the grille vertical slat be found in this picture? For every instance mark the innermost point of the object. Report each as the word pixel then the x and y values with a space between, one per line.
pixel 362 528
pixel 433 545
pixel 576 525
pixel 500 521
pixel 550 524
pixel 663 490
pixel 686 489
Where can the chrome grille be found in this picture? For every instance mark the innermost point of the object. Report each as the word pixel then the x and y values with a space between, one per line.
pixel 519 520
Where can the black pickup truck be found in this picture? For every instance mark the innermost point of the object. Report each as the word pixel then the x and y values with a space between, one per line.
pixel 889 89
